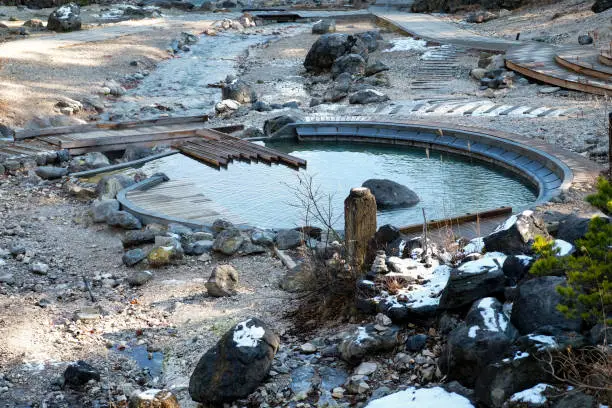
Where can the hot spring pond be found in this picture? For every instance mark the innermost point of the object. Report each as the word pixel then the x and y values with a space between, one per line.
pixel 261 195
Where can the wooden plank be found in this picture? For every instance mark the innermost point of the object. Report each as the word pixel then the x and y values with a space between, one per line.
pixel 434 224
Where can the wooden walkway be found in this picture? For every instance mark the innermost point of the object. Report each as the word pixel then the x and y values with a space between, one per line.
pixel 537 61
pixel 584 60
pixel 218 149
pixel 180 200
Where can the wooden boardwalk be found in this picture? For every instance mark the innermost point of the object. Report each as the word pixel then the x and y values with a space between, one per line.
pixel 584 60
pixel 180 200
pixel 537 61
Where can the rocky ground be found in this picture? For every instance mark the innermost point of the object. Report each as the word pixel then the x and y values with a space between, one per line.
pixel 66 293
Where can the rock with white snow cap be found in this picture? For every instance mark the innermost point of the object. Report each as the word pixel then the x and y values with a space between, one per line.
pixel 474 280
pixel 236 365
pixel 483 339
pixel 516 234
pixel 435 397
pixel 366 340
pixel 534 397
pixel 65 18
pixel 239 91
pixel 366 96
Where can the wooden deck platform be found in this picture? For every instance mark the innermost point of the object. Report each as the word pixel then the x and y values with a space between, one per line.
pixel 605 57
pixel 180 200
pixel 584 60
pixel 218 149
pixel 537 61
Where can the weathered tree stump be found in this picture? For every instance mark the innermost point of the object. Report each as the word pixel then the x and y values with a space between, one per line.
pixel 359 224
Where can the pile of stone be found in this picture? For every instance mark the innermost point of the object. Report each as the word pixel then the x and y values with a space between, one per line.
pixel 491 72
pixel 498 346
pixel 346 58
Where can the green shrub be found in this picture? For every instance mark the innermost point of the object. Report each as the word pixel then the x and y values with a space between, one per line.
pixel 589 276
pixel 588 292
pixel 603 198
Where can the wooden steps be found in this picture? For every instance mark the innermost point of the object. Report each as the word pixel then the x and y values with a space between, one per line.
pixel 537 61
pixel 584 60
pixel 218 149
pixel 605 58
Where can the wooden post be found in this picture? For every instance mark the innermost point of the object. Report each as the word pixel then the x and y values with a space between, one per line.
pixel 359 225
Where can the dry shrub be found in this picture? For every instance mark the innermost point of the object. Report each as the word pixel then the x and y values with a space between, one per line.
pixel 392 284
pixel 588 369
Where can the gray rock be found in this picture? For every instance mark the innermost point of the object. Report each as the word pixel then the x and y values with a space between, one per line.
pixel 17 248
pixel 220 225
pixel 324 26
pixel 65 18
pixel 236 365
pixel 416 342
pixel 222 281
pixel 80 373
pixel 51 172
pixel 273 125
pixel 574 227
pixel 228 241
pixel 370 39
pixel 288 239
pixel 480 16
pixel 132 153
pixel 263 237
pixel 198 247
pixel 239 91
pixel 110 185
pixel 353 64
pixel 248 248
pixel 101 209
pixel 390 194
pixel 585 39
pixel 375 67
pixel 601 5
pixel 39 268
pixel 137 237
pixel 484 338
pixel 536 306
pixel 516 235
pixel 366 340
pixel 366 96
pixel 139 278
pixel 577 399
pixel 7 278
pixel 134 256
pixel 123 219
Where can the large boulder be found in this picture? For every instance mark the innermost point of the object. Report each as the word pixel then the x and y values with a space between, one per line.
pixel 390 194
pixel 601 6
pixel 536 306
pixel 474 280
pixel 236 365
pixel 288 239
pixel 365 96
pixel 65 18
pixel 329 47
pixel 222 281
pixel 102 209
pixel 574 227
pixel 109 185
pixel 370 39
pixel 324 26
pixel 484 338
pixel 366 340
pixel 516 235
pixel 239 91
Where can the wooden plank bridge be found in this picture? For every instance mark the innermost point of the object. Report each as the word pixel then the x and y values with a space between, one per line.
pixel 218 149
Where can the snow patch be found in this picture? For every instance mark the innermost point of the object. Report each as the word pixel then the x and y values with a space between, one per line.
pixel 489 262
pixel 472 332
pixel 520 355
pixel 512 220
pixel 245 336
pixel 63 12
pixel 562 247
pixel 546 342
pixel 532 395
pixel 148 394
pixel 407 44
pixel 422 398
pixel 362 334
pixel 476 245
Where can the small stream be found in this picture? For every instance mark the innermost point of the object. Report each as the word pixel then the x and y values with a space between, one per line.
pixel 179 86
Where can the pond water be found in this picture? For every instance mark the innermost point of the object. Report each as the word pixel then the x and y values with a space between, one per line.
pixel 263 195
